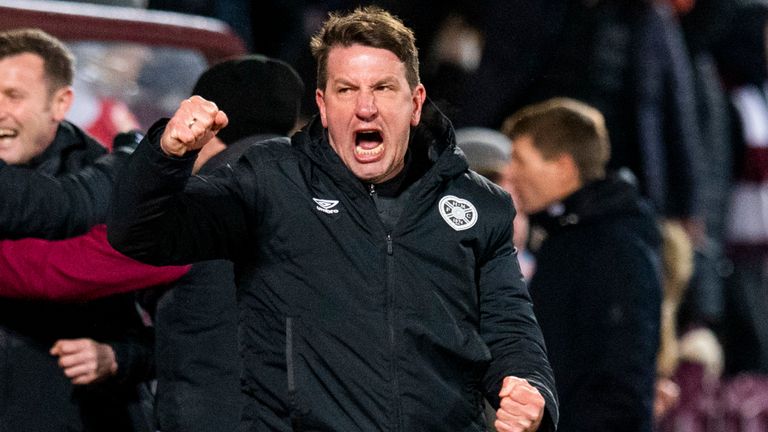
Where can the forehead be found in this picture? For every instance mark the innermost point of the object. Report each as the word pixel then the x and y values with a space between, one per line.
pixel 523 148
pixel 22 67
pixel 360 60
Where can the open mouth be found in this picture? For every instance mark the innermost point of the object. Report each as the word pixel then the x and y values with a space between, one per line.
pixel 8 133
pixel 368 143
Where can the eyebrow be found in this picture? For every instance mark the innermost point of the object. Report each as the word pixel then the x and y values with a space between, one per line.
pixel 391 79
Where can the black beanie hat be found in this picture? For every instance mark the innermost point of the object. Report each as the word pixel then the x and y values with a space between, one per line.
pixel 259 94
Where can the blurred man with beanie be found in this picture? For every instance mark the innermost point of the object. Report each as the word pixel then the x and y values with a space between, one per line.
pixel 488 152
pixel 196 321
pixel 261 96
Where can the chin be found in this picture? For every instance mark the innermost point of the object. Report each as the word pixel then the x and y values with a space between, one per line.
pixel 366 173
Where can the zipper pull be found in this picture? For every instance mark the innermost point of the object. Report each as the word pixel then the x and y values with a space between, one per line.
pixel 371 189
pixel 389 244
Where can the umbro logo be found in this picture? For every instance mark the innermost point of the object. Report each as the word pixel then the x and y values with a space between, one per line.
pixel 458 213
pixel 326 206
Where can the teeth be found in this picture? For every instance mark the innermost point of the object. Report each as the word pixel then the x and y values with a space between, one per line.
pixel 7 133
pixel 369 152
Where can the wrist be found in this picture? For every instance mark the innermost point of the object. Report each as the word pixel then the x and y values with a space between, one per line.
pixel 172 150
pixel 111 359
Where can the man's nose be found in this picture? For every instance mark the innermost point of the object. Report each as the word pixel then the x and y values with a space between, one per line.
pixel 365 108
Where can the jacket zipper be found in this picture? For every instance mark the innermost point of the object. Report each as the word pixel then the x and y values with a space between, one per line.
pixel 391 328
pixel 290 370
pixel 390 316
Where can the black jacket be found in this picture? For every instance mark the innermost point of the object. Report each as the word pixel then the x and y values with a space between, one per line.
pixel 345 325
pixel 64 191
pixel 597 295
pixel 198 362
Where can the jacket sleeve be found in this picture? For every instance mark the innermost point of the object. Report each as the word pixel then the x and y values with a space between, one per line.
pixel 37 205
pixel 509 327
pixel 135 357
pixel 160 215
pixel 79 268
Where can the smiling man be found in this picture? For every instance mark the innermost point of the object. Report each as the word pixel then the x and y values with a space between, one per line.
pixel 55 182
pixel 378 284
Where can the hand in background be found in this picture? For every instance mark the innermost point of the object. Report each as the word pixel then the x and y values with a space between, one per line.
pixel 85 361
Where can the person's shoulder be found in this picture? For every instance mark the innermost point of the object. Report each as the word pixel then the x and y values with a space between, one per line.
pixel 270 148
pixel 482 195
pixel 482 187
pixel 71 135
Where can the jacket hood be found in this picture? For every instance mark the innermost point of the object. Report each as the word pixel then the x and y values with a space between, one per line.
pixel 433 141
pixel 599 202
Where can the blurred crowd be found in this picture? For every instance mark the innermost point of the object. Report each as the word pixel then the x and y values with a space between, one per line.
pixel 683 89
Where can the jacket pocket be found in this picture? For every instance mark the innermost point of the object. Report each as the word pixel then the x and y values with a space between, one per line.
pixel 334 377
pixel 290 367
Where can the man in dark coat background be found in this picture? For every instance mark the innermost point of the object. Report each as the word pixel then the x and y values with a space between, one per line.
pixel 596 289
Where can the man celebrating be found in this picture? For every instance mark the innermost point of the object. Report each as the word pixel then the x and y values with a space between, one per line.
pixel 378 284
pixel 48 367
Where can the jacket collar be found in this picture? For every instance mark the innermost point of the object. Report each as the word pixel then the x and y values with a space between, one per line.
pixel 69 138
pixel 599 199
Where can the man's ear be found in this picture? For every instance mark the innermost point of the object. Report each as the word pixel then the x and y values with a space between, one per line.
pixel 418 95
pixel 320 101
pixel 569 171
pixel 61 102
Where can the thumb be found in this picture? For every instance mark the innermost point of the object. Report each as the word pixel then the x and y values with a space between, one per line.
pixel 506 387
pixel 220 121
pixel 56 349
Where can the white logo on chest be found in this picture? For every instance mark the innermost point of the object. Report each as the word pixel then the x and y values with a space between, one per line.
pixel 459 213
pixel 326 206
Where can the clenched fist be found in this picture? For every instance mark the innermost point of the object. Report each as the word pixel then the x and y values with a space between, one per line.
pixel 192 126
pixel 521 408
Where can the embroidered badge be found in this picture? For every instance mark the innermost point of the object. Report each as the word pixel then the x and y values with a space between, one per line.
pixel 326 206
pixel 459 213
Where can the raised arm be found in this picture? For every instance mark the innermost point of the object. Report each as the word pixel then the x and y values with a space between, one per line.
pixel 159 215
pixel 37 205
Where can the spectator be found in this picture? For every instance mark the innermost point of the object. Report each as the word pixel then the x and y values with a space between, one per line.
pixel 677 268
pixel 625 58
pixel 487 152
pixel 368 282
pixel 596 289
pixel 703 22
pixel 743 62
pixel 198 379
